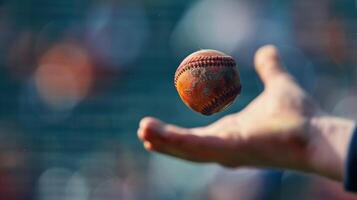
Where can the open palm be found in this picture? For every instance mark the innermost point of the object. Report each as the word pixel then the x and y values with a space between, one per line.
pixel 274 130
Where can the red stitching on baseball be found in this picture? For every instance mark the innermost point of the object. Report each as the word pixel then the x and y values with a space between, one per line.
pixel 204 61
pixel 215 102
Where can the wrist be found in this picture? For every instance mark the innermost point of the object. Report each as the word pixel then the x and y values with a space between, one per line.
pixel 328 145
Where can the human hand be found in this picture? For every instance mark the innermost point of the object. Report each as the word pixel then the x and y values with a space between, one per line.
pixel 281 128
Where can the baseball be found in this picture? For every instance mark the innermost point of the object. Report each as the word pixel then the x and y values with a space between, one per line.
pixel 208 81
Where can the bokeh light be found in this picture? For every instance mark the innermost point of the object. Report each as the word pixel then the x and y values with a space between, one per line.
pixel 170 177
pixel 76 188
pixel 230 185
pixel 110 189
pixel 229 23
pixel 117 32
pixel 64 76
pixel 52 183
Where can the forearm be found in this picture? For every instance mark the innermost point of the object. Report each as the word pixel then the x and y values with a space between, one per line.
pixel 328 146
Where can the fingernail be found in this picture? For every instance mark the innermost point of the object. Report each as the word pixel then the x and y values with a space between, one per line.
pixel 140 134
pixel 147 145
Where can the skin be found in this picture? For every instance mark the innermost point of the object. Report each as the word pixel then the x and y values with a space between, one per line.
pixel 281 128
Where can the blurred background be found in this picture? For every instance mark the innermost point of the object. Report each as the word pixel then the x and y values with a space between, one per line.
pixel 76 76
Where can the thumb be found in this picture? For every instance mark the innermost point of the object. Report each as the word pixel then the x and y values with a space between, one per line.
pixel 267 63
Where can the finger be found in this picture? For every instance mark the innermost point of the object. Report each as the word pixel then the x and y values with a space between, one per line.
pixel 153 129
pixel 149 128
pixel 167 149
pixel 267 63
pixel 189 144
pixel 148 146
pixel 192 147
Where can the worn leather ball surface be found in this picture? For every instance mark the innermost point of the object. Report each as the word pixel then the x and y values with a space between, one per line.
pixel 208 81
